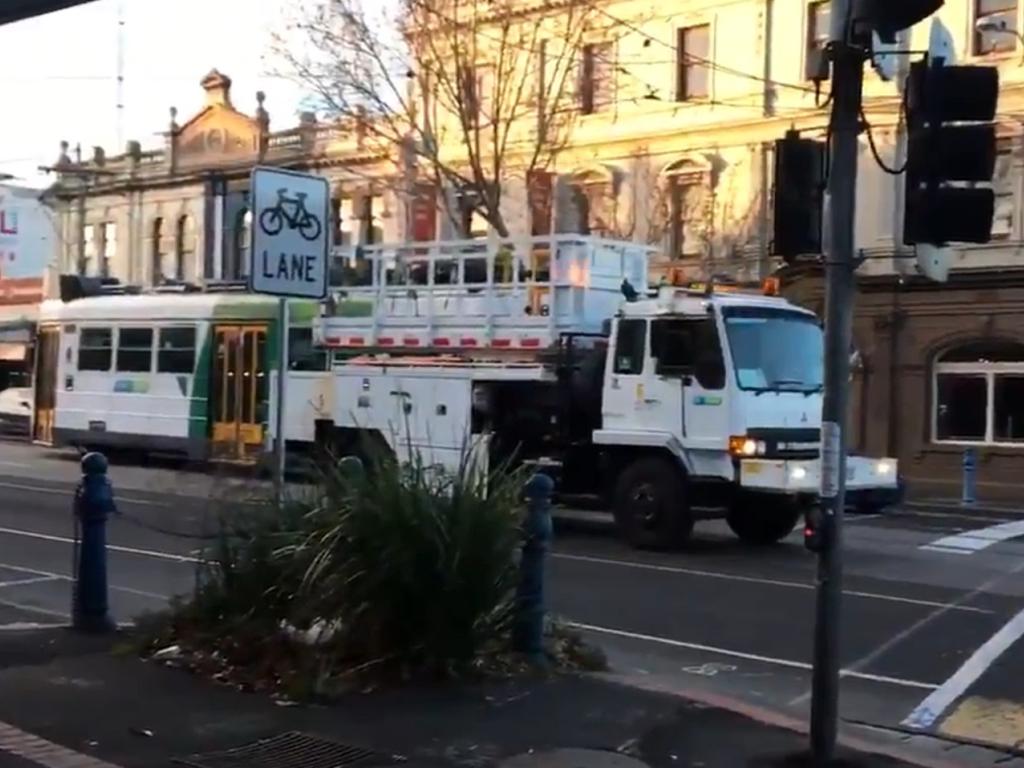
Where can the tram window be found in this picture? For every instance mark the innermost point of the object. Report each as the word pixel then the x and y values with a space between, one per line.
pixel 177 352
pixel 302 354
pixel 95 348
pixel 135 350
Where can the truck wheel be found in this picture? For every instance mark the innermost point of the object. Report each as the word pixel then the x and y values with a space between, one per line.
pixel 763 521
pixel 651 511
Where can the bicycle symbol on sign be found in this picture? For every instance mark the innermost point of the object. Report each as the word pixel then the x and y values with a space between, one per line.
pixel 291 211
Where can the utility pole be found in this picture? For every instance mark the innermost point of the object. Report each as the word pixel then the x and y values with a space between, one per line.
pixel 840 264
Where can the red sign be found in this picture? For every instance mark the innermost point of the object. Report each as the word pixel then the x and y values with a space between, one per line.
pixel 539 193
pixel 424 213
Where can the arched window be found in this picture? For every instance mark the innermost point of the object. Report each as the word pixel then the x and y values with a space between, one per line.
pixel 978 393
pixel 184 246
pixel 239 266
pixel 684 187
pixel 157 246
pixel 593 200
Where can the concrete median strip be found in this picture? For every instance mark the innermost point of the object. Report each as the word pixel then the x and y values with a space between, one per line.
pixel 36 750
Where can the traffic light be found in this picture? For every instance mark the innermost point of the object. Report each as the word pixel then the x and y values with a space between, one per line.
pixel 819 530
pixel 888 17
pixel 798 192
pixel 952 142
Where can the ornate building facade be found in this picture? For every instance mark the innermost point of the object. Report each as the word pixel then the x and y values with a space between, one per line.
pixel 678 110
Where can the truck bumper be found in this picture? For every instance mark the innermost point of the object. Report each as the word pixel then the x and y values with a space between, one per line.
pixel 871 482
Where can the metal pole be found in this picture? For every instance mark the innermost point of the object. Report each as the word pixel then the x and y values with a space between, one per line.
pixel 847 85
pixel 282 374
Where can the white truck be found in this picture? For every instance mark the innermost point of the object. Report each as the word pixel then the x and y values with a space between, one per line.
pixel 663 405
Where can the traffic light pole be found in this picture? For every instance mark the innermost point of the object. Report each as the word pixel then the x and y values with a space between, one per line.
pixel 840 263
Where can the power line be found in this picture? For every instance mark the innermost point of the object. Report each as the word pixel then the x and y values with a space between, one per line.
pixel 691 57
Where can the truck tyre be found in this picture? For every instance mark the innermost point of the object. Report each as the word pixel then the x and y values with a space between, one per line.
pixel 650 505
pixel 763 521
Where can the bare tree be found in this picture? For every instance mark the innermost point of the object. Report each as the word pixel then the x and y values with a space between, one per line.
pixel 464 93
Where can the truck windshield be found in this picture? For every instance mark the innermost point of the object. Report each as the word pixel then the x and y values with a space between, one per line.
pixel 775 350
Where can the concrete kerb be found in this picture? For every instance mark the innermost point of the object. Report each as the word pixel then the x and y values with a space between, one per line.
pixel 779 720
pixel 952 505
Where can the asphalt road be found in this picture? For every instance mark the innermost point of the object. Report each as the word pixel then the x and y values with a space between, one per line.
pixel 932 618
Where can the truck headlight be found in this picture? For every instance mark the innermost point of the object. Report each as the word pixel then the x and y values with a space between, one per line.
pixel 884 467
pixel 798 473
pixel 746 447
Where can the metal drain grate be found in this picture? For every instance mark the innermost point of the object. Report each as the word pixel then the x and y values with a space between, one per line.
pixel 290 750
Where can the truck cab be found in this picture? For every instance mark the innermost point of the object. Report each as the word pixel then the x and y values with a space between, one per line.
pixel 712 403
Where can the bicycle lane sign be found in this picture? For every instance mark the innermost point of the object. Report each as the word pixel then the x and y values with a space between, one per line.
pixel 290 229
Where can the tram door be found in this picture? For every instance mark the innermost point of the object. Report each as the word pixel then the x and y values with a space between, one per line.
pixel 239 391
pixel 47 359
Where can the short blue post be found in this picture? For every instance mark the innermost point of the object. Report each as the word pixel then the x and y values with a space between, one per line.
pixel 94 503
pixel 969 478
pixel 528 635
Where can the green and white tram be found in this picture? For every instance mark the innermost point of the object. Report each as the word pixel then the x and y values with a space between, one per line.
pixel 183 373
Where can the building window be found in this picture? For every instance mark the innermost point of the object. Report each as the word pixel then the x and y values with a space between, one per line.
pixel 371 214
pixel 239 267
pixel 592 201
pixel 177 350
pixel 95 347
pixel 184 246
pixel 978 394
pixel 156 245
pixel 108 247
pixel 819 27
pixel 596 81
pixel 999 20
pixel 693 47
pixel 1004 184
pixel 686 191
pixel 135 350
pixel 87 261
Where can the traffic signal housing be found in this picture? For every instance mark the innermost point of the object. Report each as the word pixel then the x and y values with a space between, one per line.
pixel 798 194
pixel 951 143
pixel 889 17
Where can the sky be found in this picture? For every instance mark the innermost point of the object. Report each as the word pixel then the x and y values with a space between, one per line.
pixel 59 74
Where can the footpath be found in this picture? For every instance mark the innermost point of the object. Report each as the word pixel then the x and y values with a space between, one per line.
pixel 72 701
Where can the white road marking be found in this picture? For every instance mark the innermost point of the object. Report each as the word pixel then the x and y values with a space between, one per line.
pixel 64 577
pixel 937 702
pixel 917 626
pixel 748 656
pixel 28 626
pixel 23 582
pixel 66 492
pixel 972 541
pixel 35 609
pixel 15 464
pixel 37 750
pixel 111 547
pixel 758 580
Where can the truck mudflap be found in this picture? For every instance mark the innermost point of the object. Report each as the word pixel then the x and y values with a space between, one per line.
pixel 864 476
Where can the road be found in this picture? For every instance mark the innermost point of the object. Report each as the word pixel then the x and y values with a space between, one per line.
pixel 933 610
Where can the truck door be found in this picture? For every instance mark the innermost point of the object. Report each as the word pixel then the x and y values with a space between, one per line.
pixel 636 398
pixel 687 350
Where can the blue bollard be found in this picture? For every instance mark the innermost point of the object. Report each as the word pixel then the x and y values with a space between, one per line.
pixel 528 636
pixel 969 478
pixel 94 503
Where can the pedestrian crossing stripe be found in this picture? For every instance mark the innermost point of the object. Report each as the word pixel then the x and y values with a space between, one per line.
pixel 992 721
